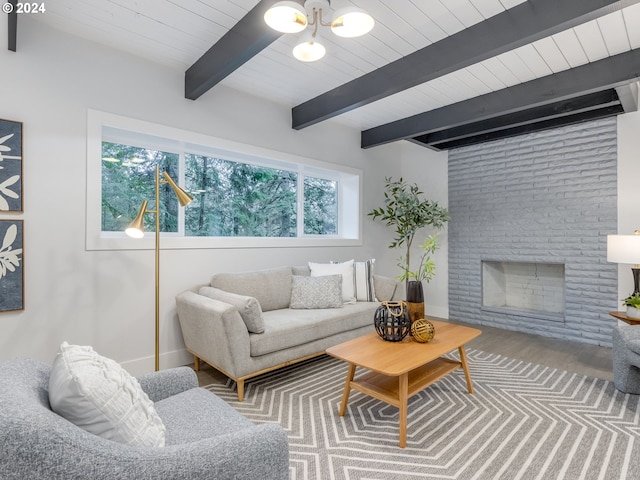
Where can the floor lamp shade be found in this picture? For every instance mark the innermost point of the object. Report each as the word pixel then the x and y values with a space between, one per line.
pixel 136 227
pixel 136 230
pixel 626 249
pixel 184 198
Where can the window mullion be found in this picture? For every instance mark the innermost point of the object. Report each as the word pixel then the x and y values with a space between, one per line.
pixel 181 181
pixel 300 205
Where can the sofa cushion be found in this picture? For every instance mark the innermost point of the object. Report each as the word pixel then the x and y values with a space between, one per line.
pixel 316 292
pixel 97 394
pixel 385 288
pixel 272 288
pixel 248 307
pixel 289 328
pixel 303 270
pixel 345 269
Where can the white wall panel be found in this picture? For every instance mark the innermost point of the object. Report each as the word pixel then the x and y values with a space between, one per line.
pixel 106 298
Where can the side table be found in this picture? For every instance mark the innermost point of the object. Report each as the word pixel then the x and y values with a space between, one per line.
pixel 623 316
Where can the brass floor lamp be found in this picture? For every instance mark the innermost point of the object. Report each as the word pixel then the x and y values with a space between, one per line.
pixel 136 230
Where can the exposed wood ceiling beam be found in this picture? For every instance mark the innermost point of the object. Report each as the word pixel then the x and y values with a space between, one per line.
pixel 518 26
pixel 530 116
pixel 247 38
pixel 12 18
pixel 512 129
pixel 609 72
pixel 533 127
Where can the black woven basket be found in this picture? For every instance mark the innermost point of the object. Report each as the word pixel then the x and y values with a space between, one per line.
pixel 392 321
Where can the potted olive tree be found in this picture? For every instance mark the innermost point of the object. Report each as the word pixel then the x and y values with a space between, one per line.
pixel 407 212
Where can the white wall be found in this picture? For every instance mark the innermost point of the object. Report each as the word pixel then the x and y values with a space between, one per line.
pixel 106 298
pixel 628 190
pixel 429 170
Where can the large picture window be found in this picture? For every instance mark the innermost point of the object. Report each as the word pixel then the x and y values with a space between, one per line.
pixel 240 193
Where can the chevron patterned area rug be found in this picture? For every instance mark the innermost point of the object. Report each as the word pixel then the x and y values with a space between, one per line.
pixel 524 421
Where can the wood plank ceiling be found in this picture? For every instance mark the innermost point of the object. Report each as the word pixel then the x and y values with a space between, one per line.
pixel 441 73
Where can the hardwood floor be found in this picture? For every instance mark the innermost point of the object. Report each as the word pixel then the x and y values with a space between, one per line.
pixel 581 358
pixel 575 357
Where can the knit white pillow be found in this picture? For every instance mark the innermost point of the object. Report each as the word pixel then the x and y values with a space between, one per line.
pixel 98 395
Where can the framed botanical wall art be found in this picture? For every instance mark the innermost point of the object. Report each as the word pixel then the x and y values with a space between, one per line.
pixel 11 265
pixel 10 166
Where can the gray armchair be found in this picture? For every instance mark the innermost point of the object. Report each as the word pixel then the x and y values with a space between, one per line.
pixel 626 358
pixel 205 437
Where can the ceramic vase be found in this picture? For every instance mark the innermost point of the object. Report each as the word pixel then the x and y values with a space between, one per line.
pixel 415 300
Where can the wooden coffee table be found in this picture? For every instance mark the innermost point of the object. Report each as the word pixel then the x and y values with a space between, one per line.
pixel 399 370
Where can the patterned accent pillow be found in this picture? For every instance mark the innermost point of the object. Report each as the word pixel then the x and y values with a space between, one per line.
pixel 345 269
pixel 316 292
pixel 97 394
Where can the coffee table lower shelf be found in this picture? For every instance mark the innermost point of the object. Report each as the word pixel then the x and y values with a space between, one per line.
pixel 387 389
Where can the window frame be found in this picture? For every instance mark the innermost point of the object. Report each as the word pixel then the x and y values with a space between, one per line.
pixel 350 188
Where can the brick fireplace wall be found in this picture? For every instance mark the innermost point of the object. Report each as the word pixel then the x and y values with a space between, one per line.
pixel 546 197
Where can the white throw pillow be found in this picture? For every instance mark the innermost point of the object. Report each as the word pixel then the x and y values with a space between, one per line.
pixel 98 395
pixel 345 269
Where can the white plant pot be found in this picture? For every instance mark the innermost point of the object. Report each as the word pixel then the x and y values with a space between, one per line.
pixel 633 312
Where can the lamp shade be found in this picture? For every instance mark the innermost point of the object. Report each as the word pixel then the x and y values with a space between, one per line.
pixel 309 51
pixel 184 198
pixel 286 17
pixel 623 249
pixel 136 228
pixel 351 22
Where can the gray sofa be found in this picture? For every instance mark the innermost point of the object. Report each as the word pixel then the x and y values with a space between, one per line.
pixel 216 326
pixel 205 437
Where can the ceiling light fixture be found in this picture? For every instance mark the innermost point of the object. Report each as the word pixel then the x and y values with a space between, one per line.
pixel 291 17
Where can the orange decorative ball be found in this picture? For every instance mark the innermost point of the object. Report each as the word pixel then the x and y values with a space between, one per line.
pixel 422 330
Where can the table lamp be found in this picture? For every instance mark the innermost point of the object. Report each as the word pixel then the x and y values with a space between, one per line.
pixel 626 249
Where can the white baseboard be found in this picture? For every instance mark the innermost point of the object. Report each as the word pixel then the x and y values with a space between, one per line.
pixel 140 366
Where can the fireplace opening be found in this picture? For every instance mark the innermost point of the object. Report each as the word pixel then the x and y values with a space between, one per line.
pixel 525 288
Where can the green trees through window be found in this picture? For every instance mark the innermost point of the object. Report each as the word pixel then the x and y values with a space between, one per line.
pixel 320 206
pixel 231 198
pixel 234 199
pixel 128 178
